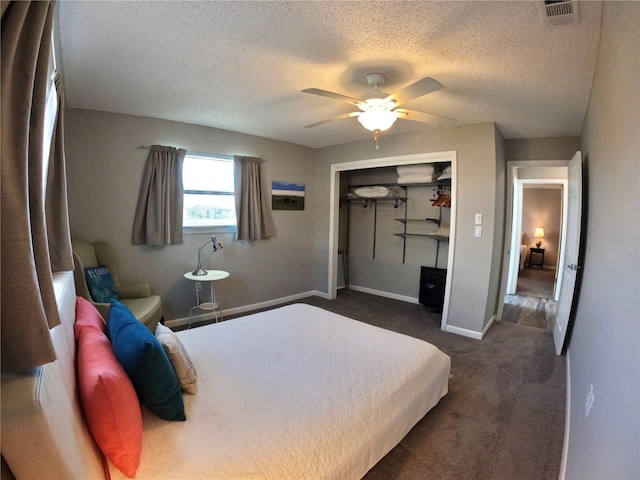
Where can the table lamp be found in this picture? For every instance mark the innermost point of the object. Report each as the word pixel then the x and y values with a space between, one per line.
pixel 216 246
pixel 539 233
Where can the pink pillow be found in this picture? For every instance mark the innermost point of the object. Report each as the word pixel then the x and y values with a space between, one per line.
pixel 87 315
pixel 110 403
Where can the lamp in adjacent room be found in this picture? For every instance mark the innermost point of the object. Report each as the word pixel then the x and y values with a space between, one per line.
pixel 216 246
pixel 539 234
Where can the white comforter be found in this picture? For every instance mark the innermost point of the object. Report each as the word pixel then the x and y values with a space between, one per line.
pixel 296 392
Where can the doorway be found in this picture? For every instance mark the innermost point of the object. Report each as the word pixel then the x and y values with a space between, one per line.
pixel 536 204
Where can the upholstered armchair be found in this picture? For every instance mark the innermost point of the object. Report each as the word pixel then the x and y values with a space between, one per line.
pixel 145 307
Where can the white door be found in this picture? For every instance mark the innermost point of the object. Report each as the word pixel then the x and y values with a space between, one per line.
pixel 570 254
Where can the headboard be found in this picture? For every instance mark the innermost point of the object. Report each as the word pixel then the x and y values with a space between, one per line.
pixel 44 434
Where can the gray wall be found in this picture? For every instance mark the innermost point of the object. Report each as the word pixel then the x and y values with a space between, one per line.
pixel 494 296
pixel 477 186
pixel 104 169
pixel 559 148
pixel 604 348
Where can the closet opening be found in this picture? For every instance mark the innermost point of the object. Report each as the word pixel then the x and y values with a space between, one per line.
pixel 382 235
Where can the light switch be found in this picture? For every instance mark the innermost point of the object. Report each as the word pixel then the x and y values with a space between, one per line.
pixel 478 220
pixel 478 231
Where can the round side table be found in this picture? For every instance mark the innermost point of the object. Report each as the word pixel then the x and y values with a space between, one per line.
pixel 211 277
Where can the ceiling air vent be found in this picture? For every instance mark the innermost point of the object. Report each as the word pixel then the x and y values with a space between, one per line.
pixel 560 12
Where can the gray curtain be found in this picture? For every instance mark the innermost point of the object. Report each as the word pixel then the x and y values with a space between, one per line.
pixel 29 211
pixel 158 218
pixel 253 204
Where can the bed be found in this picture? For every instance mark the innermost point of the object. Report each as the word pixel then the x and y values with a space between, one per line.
pixel 523 256
pixel 294 392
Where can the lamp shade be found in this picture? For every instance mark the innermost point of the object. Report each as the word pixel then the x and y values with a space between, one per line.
pixel 376 115
pixel 539 233
pixel 377 119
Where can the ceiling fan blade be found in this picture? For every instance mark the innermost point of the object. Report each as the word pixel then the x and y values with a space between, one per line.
pixel 335 96
pixel 415 90
pixel 424 117
pixel 329 120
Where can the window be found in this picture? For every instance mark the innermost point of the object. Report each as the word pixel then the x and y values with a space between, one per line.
pixel 209 202
pixel 50 114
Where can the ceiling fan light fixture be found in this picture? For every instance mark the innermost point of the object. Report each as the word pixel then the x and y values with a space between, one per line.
pixel 377 118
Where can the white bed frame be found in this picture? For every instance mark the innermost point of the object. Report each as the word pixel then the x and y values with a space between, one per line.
pixel 44 434
pixel 251 418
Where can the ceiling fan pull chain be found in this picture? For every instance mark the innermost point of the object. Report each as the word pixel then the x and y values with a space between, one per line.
pixel 376 136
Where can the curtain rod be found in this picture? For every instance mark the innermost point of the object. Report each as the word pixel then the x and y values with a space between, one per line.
pixel 226 157
pixel 147 147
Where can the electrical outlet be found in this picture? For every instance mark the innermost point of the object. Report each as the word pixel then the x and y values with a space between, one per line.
pixel 478 232
pixel 198 287
pixel 589 402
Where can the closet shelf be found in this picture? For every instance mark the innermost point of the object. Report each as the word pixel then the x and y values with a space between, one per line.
pixel 366 201
pixel 439 238
pixel 375 199
pixel 438 183
pixel 405 220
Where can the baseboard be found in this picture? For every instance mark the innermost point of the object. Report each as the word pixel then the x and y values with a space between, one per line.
pixel 488 325
pixel 380 293
pixel 203 317
pixel 567 423
pixel 206 317
pixel 403 298
pixel 464 332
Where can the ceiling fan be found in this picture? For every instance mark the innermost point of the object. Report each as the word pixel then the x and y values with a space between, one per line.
pixel 380 112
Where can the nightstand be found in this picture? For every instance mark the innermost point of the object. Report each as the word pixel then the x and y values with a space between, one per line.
pixel 211 276
pixel 539 255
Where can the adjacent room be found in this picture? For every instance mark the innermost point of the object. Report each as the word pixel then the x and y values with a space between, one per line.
pixel 302 239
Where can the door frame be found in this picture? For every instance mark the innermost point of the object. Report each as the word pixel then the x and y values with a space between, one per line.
pixel 334 218
pixel 518 210
pixel 509 238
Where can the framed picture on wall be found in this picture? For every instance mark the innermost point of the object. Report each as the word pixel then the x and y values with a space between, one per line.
pixel 287 195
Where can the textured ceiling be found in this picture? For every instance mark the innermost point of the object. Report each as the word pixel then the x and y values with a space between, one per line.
pixel 241 65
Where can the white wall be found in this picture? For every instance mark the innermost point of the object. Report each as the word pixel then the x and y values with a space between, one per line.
pixel 604 348
pixel 104 170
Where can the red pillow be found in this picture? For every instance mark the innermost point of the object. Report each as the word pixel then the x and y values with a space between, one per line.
pixel 110 403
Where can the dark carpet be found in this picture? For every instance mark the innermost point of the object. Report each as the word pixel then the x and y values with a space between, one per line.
pixel 503 417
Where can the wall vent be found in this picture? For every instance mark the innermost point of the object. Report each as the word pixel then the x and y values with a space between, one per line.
pixel 559 12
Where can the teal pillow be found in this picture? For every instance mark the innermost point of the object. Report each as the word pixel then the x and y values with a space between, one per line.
pixel 100 284
pixel 146 363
